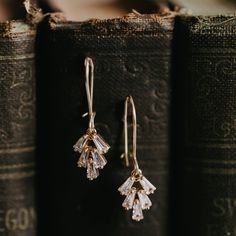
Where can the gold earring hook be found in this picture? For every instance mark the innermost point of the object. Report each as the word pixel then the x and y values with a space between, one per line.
pixel 89 81
pixel 129 100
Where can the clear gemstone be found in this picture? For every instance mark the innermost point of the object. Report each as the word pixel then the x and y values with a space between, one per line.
pixel 147 186
pixel 125 188
pixel 83 158
pixel 92 172
pixel 144 200
pixel 100 144
pixel 99 160
pixel 129 200
pixel 80 144
pixel 137 211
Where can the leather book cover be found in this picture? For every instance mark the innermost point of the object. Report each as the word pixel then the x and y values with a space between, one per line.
pixel 17 129
pixel 204 121
pixel 131 56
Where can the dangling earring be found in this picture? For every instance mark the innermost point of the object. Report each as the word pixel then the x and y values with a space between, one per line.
pixel 91 145
pixel 136 188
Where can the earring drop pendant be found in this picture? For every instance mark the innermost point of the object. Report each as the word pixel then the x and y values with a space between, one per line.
pixel 91 145
pixel 136 188
pixel 137 197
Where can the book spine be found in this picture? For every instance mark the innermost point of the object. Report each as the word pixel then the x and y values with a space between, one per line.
pixel 17 129
pixel 205 117
pixel 131 56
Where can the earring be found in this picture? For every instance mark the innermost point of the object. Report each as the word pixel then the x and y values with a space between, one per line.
pixel 91 145
pixel 136 188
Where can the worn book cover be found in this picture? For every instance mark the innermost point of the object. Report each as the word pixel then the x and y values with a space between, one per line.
pixel 17 129
pixel 131 56
pixel 204 124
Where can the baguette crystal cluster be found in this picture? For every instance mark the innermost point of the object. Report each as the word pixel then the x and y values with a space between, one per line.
pixel 137 198
pixel 92 148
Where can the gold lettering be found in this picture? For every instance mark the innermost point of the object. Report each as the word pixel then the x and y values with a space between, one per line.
pixel 19 219
pixel 218 207
pixel 32 216
pixel 23 219
pixel 11 220
pixel 223 207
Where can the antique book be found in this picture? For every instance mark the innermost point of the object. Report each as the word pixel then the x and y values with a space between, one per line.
pixel 131 55
pixel 204 125
pixel 17 129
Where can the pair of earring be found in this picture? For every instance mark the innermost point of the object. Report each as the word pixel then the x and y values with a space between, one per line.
pixel 92 148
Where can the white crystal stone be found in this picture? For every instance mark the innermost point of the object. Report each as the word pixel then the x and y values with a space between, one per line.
pixel 92 172
pixel 129 200
pixel 125 188
pixel 83 158
pixel 99 160
pixel 100 144
pixel 137 211
pixel 144 200
pixel 147 186
pixel 80 144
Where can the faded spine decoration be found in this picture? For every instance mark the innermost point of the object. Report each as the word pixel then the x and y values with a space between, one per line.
pixel 17 129
pixel 206 140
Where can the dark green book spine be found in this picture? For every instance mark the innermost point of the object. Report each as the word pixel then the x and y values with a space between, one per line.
pixel 205 117
pixel 17 129
pixel 131 56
